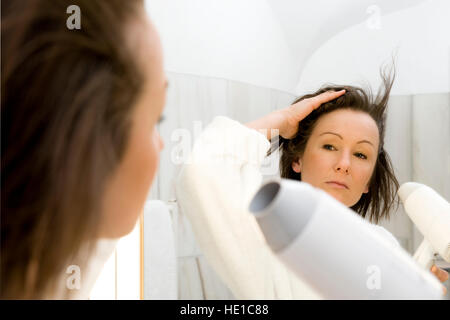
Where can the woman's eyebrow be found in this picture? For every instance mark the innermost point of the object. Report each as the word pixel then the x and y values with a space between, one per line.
pixel 343 138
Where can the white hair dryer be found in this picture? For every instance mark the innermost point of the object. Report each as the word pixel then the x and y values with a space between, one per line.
pixel 333 249
pixel 430 213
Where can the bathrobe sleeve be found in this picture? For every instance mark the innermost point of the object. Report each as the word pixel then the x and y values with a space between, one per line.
pixel 386 234
pixel 214 188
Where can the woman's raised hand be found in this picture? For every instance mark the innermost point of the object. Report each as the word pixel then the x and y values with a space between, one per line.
pixel 300 110
pixel 286 120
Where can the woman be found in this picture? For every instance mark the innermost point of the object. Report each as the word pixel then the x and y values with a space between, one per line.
pixel 343 141
pixel 79 144
pixel 332 139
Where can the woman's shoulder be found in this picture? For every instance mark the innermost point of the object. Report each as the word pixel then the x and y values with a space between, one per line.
pixel 386 234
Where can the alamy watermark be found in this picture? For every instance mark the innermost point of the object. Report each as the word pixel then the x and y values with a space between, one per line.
pixel 374 280
pixel 73 282
pixel 373 22
pixel 74 20
pixel 222 146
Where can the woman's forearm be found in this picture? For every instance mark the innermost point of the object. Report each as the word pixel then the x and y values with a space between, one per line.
pixel 271 124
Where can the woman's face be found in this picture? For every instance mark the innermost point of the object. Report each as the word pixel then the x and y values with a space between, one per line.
pixel 127 189
pixel 342 147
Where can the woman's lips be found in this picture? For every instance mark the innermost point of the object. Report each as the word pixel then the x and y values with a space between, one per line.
pixel 336 185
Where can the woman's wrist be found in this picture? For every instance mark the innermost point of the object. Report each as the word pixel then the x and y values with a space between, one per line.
pixel 273 123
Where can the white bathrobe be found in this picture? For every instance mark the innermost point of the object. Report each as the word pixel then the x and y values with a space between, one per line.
pixel 214 189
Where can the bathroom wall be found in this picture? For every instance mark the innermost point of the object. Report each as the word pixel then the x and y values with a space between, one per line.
pixel 418 143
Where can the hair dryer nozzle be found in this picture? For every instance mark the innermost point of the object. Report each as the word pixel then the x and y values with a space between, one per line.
pixel 283 210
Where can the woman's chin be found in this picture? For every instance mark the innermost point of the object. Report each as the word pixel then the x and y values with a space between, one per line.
pixel 336 194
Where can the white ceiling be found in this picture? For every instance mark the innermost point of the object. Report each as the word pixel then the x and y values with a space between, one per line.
pixel 269 43
pixel 307 26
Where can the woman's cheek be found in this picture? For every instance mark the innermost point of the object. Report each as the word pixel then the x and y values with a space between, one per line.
pixel 316 166
pixel 362 177
pixel 151 160
pixel 156 148
pixel 145 167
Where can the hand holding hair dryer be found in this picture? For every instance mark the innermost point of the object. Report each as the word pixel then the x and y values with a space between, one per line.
pixel 430 213
pixel 333 249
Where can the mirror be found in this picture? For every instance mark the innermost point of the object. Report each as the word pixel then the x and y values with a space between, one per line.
pixel 243 59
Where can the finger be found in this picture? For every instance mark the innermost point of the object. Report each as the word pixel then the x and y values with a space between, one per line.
pixel 327 96
pixel 302 109
pixel 442 275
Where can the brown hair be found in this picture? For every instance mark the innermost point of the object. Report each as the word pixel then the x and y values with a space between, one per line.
pixel 66 101
pixel 383 186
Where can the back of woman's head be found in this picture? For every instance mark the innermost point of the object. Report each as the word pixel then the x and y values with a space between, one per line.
pixel 66 100
pixel 383 185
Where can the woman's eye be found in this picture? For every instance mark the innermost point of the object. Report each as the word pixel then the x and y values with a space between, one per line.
pixel 363 156
pixel 161 119
pixel 358 154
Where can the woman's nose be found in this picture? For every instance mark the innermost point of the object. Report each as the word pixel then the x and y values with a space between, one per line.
pixel 343 164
